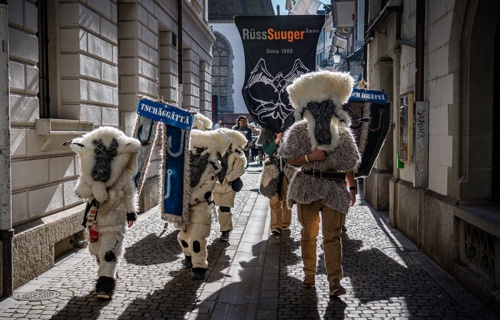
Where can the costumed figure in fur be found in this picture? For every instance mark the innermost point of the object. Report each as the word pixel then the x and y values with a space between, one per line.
pixel 201 122
pixel 274 181
pixel 322 145
pixel 204 165
pixel 228 179
pixel 108 164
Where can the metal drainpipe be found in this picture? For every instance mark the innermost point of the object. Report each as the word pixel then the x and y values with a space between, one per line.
pixel 419 63
pixel 180 88
pixel 419 97
pixel 365 45
pixel 6 231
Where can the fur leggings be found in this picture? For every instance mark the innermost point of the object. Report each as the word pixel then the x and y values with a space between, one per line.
pixel 108 250
pixel 193 242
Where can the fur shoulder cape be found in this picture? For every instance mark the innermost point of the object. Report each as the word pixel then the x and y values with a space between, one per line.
pixel 265 136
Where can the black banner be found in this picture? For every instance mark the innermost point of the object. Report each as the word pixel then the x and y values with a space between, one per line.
pixel 370 135
pixel 277 49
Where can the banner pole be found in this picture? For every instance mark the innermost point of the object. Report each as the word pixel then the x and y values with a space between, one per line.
pixel 179 54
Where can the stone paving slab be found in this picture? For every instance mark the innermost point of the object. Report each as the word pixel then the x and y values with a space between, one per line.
pixel 254 276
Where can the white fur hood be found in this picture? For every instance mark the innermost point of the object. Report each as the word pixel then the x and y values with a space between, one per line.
pixel 238 140
pixel 201 122
pixel 123 163
pixel 318 87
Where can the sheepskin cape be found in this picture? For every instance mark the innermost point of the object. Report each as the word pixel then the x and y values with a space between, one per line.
pixel 305 188
pixel 269 179
pixel 210 143
pixel 235 167
pixel 117 196
pixel 265 136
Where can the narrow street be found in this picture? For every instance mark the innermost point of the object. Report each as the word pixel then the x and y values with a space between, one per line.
pixel 254 276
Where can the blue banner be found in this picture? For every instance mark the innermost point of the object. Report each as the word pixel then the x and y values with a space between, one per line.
pixel 171 115
pixel 173 177
pixel 368 96
pixel 175 143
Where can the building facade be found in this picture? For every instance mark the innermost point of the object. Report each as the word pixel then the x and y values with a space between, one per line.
pixel 324 54
pixel 76 65
pixel 228 68
pixel 438 174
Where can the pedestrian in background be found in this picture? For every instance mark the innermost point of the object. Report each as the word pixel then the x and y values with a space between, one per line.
pixel 218 125
pixel 321 143
pixel 275 168
pixel 242 126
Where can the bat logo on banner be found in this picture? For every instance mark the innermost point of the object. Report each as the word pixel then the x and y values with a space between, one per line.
pixel 273 103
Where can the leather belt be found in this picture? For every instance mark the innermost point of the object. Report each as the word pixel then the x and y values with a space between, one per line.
pixel 325 174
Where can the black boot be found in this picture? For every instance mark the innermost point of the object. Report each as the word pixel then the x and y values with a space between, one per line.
pixel 187 263
pixel 105 287
pixel 199 273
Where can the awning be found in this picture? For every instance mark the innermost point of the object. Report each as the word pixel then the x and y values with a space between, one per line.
pixel 356 55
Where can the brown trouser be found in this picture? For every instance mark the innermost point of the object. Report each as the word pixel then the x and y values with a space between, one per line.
pixel 281 215
pixel 331 224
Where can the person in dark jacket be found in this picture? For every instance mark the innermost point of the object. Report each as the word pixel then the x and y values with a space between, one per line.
pixel 242 126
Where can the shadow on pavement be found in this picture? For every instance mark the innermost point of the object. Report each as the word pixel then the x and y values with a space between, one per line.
pixel 303 302
pixel 180 295
pixel 154 249
pixel 173 301
pixel 290 249
pixel 389 275
pixel 335 309
pixel 88 307
pixel 386 270
pixel 253 292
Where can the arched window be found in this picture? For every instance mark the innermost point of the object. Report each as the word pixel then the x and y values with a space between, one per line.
pixel 221 76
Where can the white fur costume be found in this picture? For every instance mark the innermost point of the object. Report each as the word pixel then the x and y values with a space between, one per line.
pixel 342 152
pixel 234 162
pixel 114 191
pixel 201 122
pixel 204 166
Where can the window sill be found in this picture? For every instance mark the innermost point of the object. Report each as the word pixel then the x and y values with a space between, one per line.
pixel 48 128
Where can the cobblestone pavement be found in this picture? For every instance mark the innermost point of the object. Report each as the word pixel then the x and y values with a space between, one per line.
pixel 254 276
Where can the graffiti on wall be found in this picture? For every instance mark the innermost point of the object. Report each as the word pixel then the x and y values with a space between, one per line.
pixel 421 144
